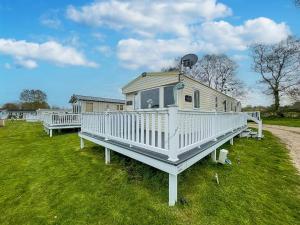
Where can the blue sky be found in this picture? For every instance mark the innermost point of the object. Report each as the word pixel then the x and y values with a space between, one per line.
pixel 96 47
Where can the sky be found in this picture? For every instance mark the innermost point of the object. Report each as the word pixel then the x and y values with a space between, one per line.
pixel 66 47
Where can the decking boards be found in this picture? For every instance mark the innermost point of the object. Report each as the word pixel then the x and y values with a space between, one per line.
pixel 164 158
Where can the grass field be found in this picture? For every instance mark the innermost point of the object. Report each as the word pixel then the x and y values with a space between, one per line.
pixel 51 181
pixel 290 122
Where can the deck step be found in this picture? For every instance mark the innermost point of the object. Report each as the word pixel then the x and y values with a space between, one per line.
pixel 248 133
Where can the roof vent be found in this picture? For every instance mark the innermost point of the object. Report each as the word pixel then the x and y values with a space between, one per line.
pixel 144 74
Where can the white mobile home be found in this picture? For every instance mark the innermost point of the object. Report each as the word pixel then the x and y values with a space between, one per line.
pixel 70 119
pixel 81 104
pixel 156 90
pixel 170 134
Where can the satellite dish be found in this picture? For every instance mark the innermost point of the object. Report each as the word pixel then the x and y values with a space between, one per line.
pixel 189 60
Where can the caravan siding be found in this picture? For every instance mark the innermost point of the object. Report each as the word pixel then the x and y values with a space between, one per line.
pixel 207 98
pixel 150 81
pixel 129 98
pixel 91 106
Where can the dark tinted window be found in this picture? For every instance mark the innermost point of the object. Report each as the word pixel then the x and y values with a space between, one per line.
pixel 150 99
pixel 168 96
pixel 196 99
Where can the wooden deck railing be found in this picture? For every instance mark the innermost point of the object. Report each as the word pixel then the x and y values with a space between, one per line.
pixel 69 119
pixel 170 132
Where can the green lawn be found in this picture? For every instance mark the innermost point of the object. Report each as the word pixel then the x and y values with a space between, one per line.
pixel 51 181
pixel 290 122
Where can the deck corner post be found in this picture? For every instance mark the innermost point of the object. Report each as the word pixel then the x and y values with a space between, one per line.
pixel 213 155
pixel 107 156
pixel 81 143
pixel 172 189
pixel 231 141
pixel 50 132
pixel 173 133
pixel 259 129
pixel 107 125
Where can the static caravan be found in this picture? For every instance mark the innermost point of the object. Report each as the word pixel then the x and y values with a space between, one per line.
pixel 165 127
pixel 82 104
pixel 156 90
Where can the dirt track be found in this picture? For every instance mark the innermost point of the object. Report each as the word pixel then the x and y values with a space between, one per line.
pixel 291 137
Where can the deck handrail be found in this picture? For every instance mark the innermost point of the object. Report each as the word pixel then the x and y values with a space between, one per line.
pixel 254 114
pixel 169 131
pixel 52 119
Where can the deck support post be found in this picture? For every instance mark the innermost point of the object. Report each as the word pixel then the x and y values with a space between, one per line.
pixel 81 143
pixel 259 130
pixel 213 155
pixel 173 133
pixel 107 125
pixel 107 156
pixel 172 189
pixel 231 141
pixel 50 132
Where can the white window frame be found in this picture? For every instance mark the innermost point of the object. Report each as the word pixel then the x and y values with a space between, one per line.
pixel 193 99
pixel 161 96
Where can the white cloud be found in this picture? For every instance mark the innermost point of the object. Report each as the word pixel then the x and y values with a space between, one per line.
pixel 51 19
pixel 49 51
pixel 105 50
pixel 153 54
pixel 25 63
pixel 222 36
pixel 255 97
pixel 149 17
pixel 209 37
pixel 52 23
pixel 239 57
pixel 7 66
pixel 98 36
pixel 168 29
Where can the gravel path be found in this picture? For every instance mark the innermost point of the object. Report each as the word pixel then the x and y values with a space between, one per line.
pixel 290 136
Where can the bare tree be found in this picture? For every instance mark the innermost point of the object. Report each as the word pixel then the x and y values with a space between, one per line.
pixel 33 99
pixel 294 93
pixel 174 67
pixel 297 3
pixel 218 72
pixel 279 67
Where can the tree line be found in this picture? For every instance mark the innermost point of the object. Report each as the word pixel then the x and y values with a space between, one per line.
pixel 29 100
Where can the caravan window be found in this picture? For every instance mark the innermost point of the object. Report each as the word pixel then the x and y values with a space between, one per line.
pixel 196 99
pixel 136 101
pixel 225 105
pixel 168 96
pixel 89 107
pixel 150 99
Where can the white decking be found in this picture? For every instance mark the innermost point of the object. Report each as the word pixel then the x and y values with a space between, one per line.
pixel 171 140
pixel 53 121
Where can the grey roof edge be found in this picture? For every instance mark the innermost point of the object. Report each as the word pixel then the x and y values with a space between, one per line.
pixel 95 99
